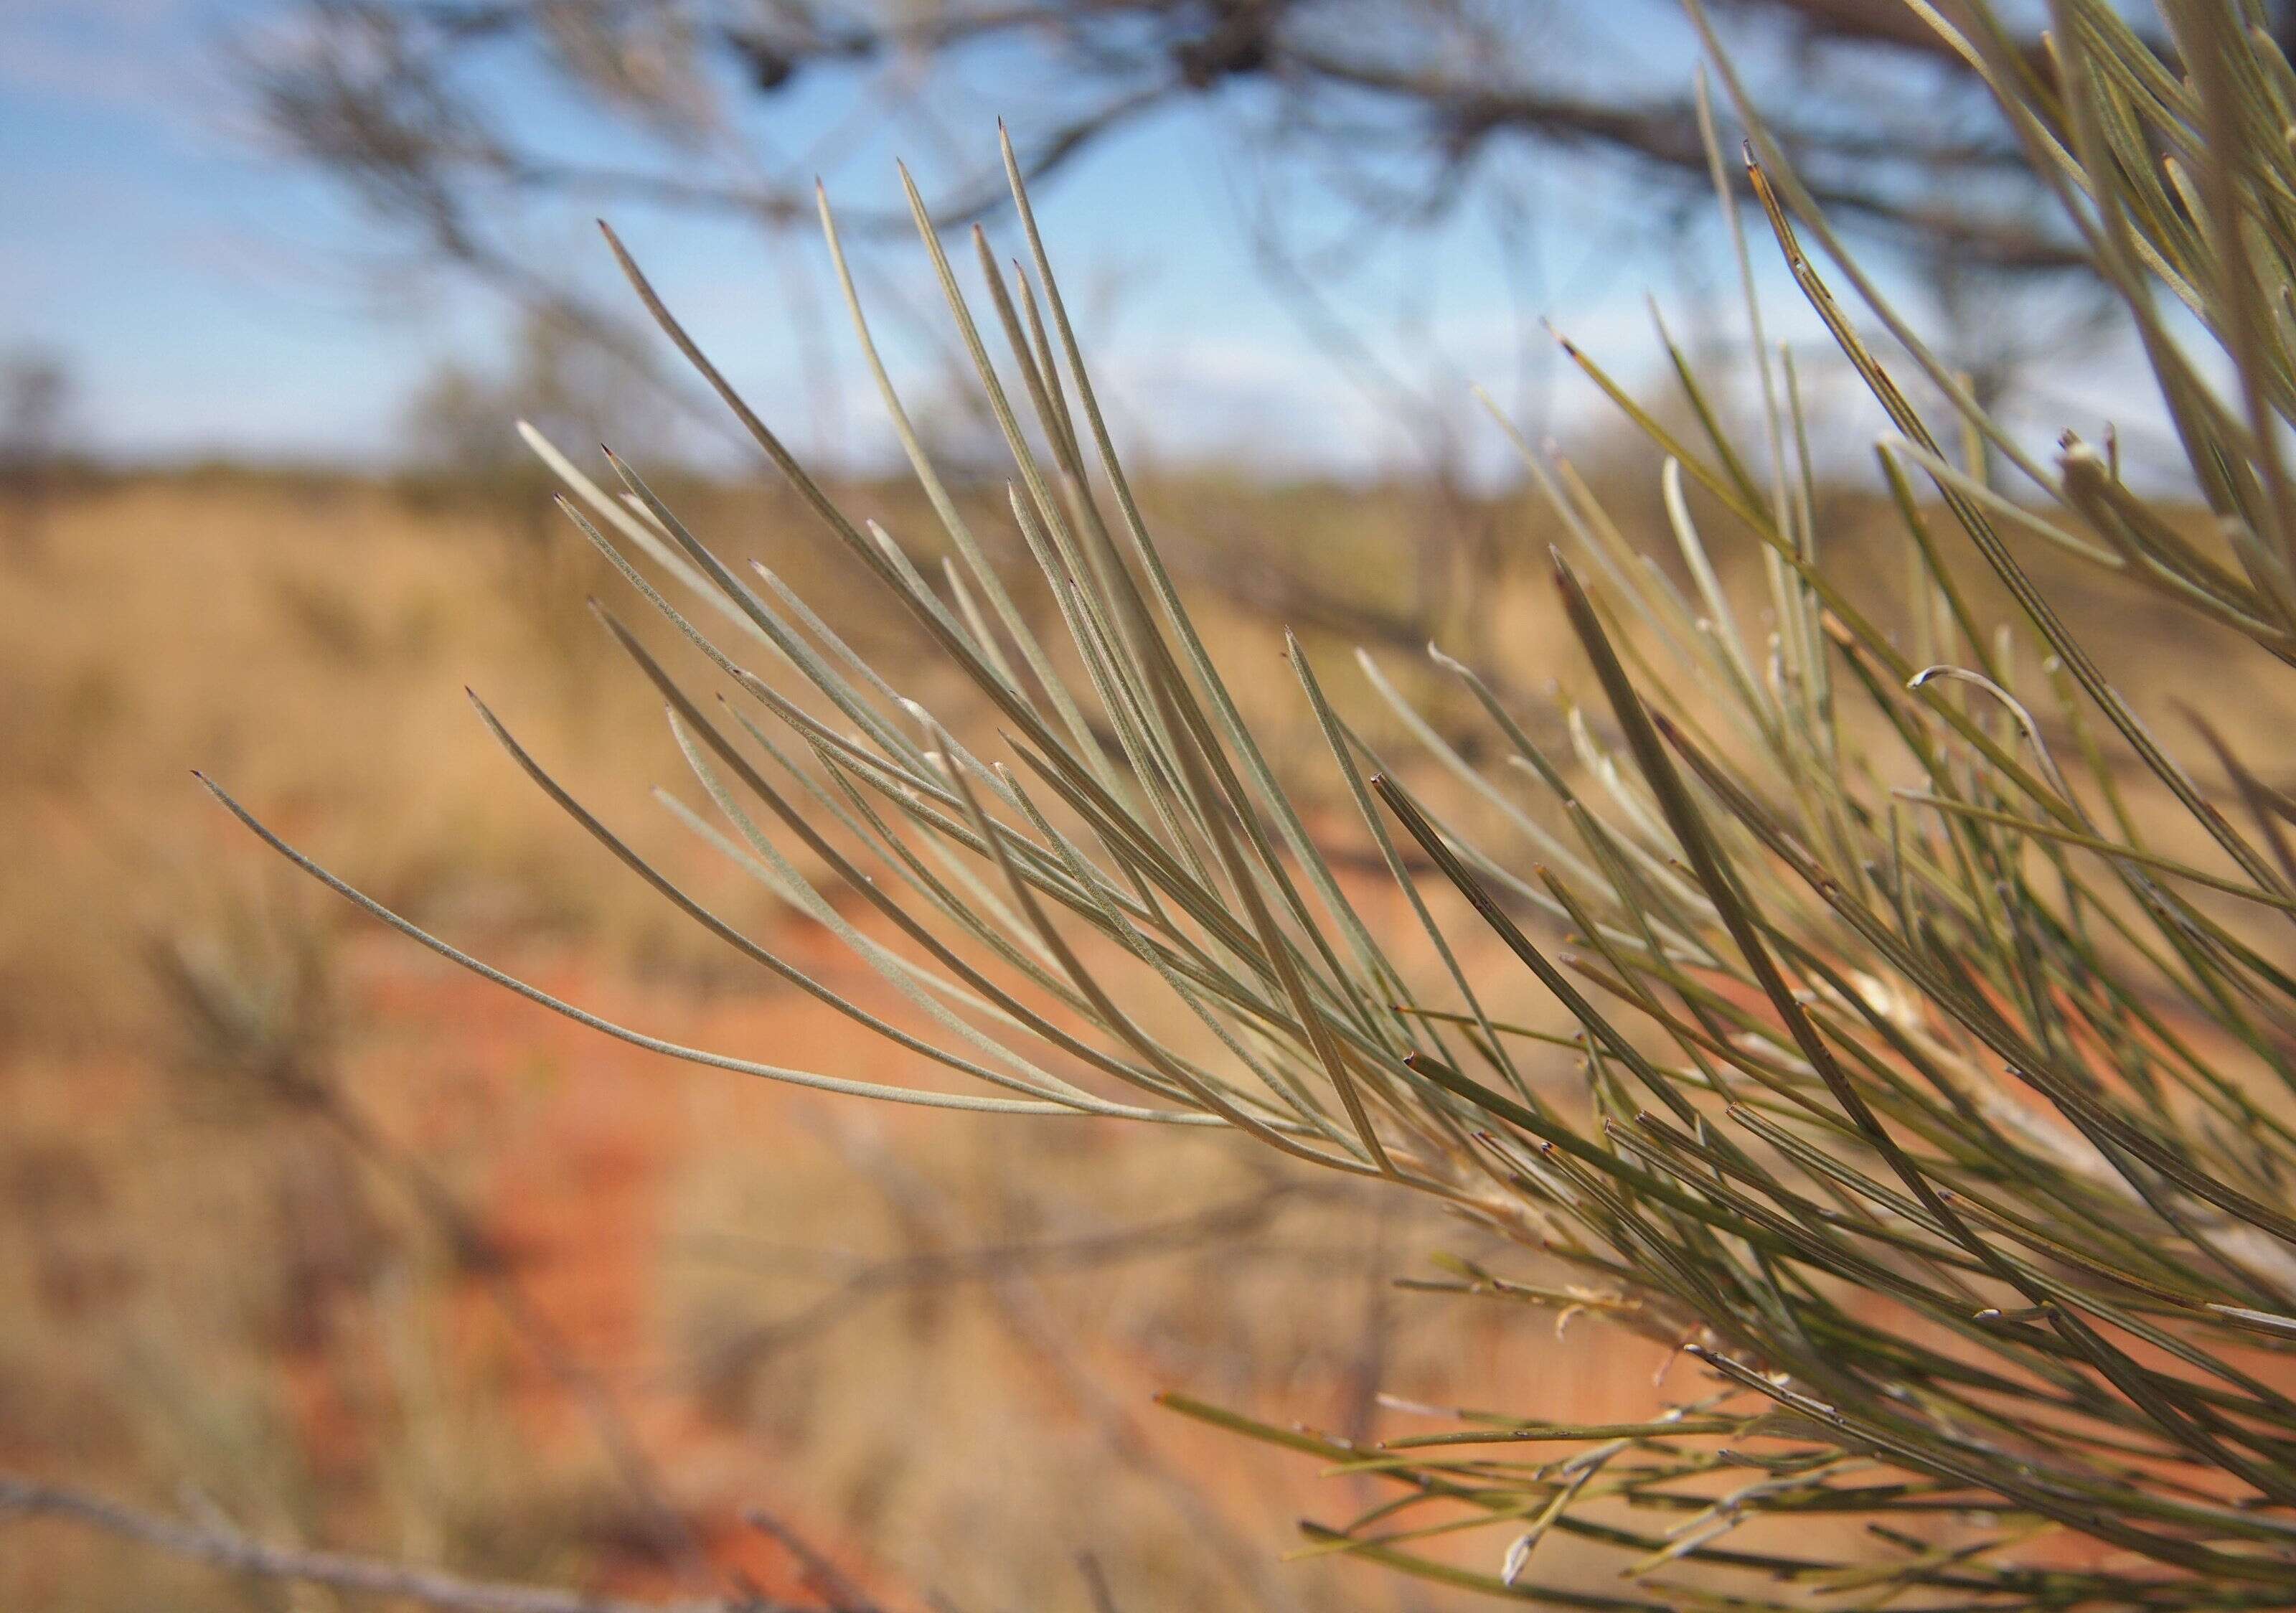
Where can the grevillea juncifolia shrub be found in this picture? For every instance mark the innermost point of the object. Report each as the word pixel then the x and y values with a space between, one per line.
pixel 1923 1093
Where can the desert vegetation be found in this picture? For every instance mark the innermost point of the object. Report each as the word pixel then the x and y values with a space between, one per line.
pixel 270 1171
pixel 1761 1080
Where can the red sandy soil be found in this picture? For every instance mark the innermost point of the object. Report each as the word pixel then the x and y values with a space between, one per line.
pixel 577 1184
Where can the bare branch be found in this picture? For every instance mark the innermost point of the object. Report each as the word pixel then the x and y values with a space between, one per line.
pixel 237 1553
pixel 375 93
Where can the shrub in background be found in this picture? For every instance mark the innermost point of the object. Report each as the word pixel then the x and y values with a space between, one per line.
pixel 1947 1124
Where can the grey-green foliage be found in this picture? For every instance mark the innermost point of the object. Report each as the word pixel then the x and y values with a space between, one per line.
pixel 1949 1125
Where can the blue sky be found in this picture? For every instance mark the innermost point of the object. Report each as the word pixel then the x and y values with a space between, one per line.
pixel 210 297
pixel 198 290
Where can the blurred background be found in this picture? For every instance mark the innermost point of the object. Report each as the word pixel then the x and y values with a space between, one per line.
pixel 305 1237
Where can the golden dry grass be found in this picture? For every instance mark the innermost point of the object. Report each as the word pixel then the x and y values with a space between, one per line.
pixel 210 1283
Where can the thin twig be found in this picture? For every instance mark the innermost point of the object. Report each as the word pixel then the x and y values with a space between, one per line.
pixel 372 1575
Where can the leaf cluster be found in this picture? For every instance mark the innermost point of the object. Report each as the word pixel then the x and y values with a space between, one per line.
pixel 1945 1120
